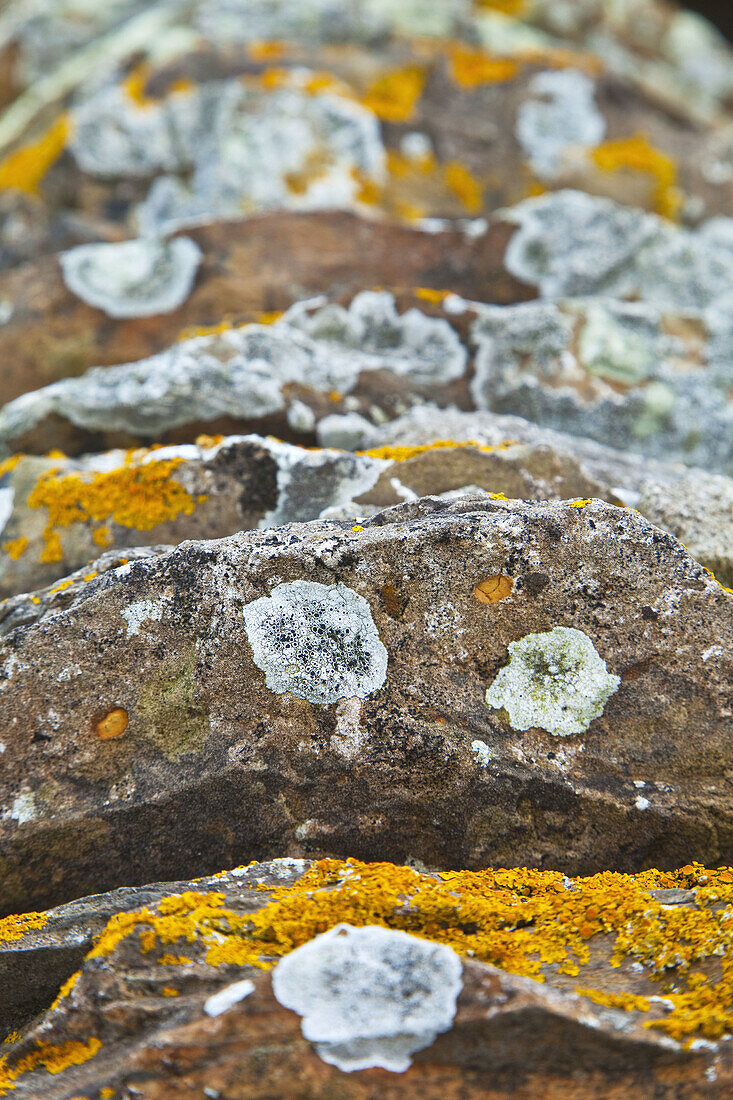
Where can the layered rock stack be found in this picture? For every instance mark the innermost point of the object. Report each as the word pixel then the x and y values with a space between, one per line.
pixel 366 529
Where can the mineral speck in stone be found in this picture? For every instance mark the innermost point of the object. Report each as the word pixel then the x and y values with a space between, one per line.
pixel 370 996
pixel 555 681
pixel 316 641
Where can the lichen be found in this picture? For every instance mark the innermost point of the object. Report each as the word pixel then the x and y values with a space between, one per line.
pixel 113 724
pixel 54 1059
pixel 394 96
pixel 15 927
pixel 465 186
pixel 554 681
pixel 370 996
pixel 132 279
pixel 494 589
pixel 520 920
pixel 26 168
pixel 558 114
pixel 319 642
pixel 637 154
pixel 140 494
pixel 471 67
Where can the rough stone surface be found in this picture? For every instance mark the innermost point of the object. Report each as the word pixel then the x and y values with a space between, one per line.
pixel 172 998
pixel 165 641
pixel 250 269
pixel 692 504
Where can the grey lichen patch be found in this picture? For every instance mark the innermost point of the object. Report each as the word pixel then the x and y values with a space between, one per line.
pixel 242 372
pixel 571 244
pixel 370 996
pixel 555 681
pixel 559 114
pixel 317 641
pixel 138 278
pixel 628 374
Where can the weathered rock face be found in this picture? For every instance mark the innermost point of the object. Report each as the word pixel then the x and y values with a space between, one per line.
pixel 634 375
pixel 693 505
pixel 250 271
pixel 58 511
pixel 136 704
pixel 417 982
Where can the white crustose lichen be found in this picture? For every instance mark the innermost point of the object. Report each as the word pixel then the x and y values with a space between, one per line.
pixel 316 641
pixel 370 996
pixel 555 681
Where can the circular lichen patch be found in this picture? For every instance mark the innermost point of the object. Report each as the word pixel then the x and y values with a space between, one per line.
pixel 555 681
pixel 316 641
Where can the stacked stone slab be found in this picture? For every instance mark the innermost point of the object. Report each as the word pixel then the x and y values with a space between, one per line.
pixel 366 511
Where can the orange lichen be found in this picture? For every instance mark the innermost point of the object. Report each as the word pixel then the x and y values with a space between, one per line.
pixel 25 169
pixel 630 1002
pixel 138 495
pixel 169 991
pixel 464 185
pixel 106 1093
pixel 16 548
pixel 53 551
pixel 15 927
pixel 394 96
pixel 51 1058
pixel 494 589
pixel 506 7
pixel 400 454
pixel 273 50
pixel 66 988
pixel 102 537
pixel 9 464
pixel 435 297
pixel 636 154
pixel 522 920
pixel 113 724
pixel 470 67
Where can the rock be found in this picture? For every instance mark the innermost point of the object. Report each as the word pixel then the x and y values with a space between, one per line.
pixel 634 375
pixel 136 705
pixel 308 975
pixel 693 505
pixel 59 511
pixel 251 270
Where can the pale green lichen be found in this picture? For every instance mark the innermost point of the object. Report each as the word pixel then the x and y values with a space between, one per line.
pixel 555 681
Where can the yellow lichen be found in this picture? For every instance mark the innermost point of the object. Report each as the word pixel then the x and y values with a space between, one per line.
pixel 106 1093
pixel 15 927
pixel 16 548
pixel 9 464
pixel 169 991
pixel 435 297
pixel 630 1002
pixel 400 454
pixel 494 589
pixel 102 537
pixel 53 551
pixel 25 169
pixel 636 154
pixel 54 1059
pixel 272 50
pixel 519 920
pixel 66 989
pixel 506 7
pixel 13 1037
pixel 578 503
pixel 394 96
pixel 470 67
pixel 465 186
pixel 112 725
pixel 137 495
pixel 357 528
pixel 174 960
